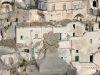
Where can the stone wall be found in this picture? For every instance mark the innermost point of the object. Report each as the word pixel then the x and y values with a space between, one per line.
pixel 11 31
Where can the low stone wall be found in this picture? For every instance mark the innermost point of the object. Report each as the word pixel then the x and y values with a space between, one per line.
pixel 6 50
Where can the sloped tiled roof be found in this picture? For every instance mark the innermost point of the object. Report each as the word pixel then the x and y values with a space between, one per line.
pixel 64 22
pixel 25 24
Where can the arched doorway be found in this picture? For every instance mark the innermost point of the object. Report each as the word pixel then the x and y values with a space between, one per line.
pixel 79 17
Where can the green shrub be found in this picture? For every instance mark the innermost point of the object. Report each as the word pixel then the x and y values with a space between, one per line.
pixel 24 60
pixel 86 24
pixel 98 12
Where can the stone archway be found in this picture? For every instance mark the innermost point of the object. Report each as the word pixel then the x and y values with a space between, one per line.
pixel 78 17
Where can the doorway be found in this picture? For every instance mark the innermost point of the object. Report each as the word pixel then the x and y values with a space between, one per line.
pixel 91 58
pixel 94 3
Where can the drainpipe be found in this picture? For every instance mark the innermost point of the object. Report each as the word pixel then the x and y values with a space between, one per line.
pixel 61 15
pixel 31 41
pixel 52 29
pixel 41 32
pixel 71 50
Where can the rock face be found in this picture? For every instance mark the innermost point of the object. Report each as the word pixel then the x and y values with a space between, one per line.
pixel 51 63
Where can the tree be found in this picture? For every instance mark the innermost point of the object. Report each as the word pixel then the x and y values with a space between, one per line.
pixel 98 12
pixel 12 3
pixel 86 28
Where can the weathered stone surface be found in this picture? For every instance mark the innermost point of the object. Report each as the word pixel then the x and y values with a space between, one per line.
pixel 51 42
pixel 51 63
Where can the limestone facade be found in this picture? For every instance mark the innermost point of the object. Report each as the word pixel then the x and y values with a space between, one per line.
pixel 75 41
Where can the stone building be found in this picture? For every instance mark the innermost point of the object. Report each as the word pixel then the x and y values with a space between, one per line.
pixel 5 70
pixel 56 10
pixel 93 6
pixel 34 34
pixel 64 9
pixel 75 41
pixel 83 53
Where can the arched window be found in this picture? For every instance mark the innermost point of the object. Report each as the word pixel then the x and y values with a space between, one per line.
pixel 94 3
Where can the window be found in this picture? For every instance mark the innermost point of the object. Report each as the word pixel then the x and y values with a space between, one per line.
pixel 64 7
pixel 59 37
pixel 90 41
pixel 53 8
pixel 74 26
pixel 21 37
pixel 61 57
pixel 7 20
pixel 36 35
pixel 16 19
pixel 74 6
pixel 73 34
pixel 26 50
pixel 76 51
pixel 76 58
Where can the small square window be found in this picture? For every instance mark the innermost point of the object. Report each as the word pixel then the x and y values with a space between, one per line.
pixel 76 51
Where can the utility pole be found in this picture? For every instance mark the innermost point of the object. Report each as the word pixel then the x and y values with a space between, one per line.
pixel 41 32
pixel 71 50
pixel 31 42
pixel 52 28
